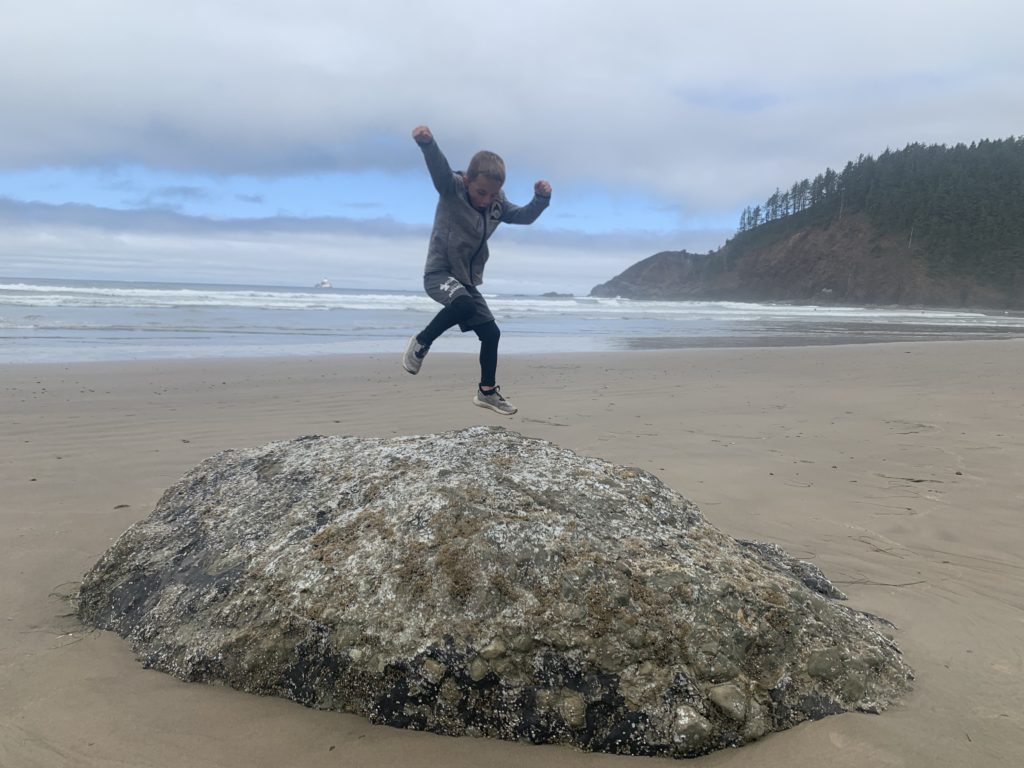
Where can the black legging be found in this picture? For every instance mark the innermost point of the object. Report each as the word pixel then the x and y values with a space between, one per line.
pixel 488 333
pixel 461 309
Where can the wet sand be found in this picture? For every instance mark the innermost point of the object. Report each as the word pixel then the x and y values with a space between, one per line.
pixel 896 468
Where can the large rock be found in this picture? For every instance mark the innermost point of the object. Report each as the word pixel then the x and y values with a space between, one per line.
pixel 480 582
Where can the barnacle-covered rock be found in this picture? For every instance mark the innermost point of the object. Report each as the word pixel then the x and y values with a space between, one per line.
pixel 481 582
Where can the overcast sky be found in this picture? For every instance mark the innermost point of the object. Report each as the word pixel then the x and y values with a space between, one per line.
pixel 269 142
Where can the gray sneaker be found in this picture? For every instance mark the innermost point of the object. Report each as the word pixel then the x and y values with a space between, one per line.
pixel 413 357
pixel 494 401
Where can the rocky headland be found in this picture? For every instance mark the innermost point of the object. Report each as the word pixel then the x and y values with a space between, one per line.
pixel 927 225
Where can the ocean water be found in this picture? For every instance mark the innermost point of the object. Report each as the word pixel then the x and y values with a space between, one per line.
pixel 75 320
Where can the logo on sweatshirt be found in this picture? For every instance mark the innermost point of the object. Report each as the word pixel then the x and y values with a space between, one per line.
pixel 450 286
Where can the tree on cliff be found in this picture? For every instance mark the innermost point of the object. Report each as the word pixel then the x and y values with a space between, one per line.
pixel 964 205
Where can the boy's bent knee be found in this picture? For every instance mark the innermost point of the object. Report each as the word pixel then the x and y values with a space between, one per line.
pixel 488 332
pixel 462 308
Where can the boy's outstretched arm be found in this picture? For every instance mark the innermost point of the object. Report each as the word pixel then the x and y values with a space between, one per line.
pixel 437 164
pixel 528 213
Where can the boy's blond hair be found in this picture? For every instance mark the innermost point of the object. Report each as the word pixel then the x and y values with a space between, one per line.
pixel 488 165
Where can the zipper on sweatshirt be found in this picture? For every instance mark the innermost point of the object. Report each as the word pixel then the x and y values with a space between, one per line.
pixel 483 239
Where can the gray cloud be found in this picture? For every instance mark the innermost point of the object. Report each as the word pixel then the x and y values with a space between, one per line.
pixel 86 241
pixel 169 198
pixel 705 106
pixel 15 213
pixel 181 193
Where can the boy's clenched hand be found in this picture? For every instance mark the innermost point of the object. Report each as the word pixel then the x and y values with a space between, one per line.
pixel 542 188
pixel 422 134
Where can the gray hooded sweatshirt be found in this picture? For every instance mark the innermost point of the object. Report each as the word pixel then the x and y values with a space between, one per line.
pixel 458 244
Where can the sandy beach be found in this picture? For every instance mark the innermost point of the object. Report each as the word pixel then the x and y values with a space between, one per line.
pixel 896 468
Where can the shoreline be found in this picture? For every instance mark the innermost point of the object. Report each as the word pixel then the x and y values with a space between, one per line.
pixel 894 467
pixel 518 347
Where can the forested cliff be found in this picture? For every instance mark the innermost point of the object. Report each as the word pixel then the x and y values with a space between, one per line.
pixel 925 225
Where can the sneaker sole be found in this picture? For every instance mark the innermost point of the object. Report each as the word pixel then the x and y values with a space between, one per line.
pixel 405 359
pixel 482 404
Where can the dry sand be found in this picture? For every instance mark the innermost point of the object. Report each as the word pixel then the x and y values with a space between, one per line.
pixel 896 468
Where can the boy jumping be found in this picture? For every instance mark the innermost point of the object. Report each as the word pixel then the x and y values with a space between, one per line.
pixel 469 209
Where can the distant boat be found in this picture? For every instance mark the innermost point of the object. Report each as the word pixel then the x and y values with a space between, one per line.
pixel 325 283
